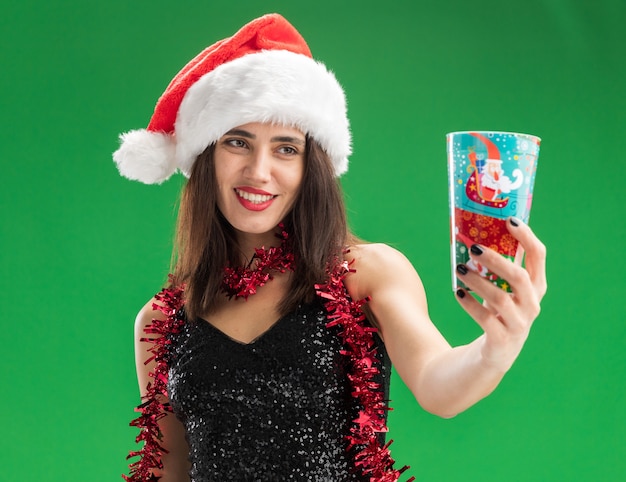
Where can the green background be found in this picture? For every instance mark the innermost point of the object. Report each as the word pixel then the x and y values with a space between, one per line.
pixel 83 249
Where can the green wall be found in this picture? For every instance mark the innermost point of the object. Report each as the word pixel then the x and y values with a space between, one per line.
pixel 83 249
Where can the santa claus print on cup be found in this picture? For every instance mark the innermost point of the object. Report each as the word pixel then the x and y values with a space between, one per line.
pixel 491 176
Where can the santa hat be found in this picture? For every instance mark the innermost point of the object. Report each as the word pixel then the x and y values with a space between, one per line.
pixel 263 73
pixel 493 153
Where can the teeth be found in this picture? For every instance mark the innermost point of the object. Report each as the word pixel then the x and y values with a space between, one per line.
pixel 254 198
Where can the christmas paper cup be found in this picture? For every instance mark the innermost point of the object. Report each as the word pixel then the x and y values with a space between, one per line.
pixel 491 176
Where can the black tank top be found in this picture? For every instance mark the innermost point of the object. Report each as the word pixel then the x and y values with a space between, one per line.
pixel 278 408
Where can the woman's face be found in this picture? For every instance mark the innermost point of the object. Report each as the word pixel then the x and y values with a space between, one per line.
pixel 259 169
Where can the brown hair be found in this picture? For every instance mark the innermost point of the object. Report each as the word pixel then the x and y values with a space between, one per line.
pixel 206 242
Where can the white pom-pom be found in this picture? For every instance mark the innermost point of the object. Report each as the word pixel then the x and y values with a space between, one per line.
pixel 148 157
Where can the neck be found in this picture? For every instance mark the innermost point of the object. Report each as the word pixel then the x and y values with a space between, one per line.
pixel 243 281
pixel 249 242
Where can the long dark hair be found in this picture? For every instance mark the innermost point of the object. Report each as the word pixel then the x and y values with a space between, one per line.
pixel 206 242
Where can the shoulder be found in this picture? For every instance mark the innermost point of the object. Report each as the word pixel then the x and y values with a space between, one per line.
pixel 377 266
pixel 146 315
pixel 373 253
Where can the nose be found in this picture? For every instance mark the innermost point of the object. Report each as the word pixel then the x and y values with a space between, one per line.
pixel 259 167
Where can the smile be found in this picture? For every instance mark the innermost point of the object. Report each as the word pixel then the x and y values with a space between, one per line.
pixel 254 198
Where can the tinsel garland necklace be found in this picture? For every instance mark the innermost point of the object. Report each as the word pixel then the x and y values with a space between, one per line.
pixel 371 458
pixel 242 281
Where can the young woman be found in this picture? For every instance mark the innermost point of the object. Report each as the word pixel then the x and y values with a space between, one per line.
pixel 267 356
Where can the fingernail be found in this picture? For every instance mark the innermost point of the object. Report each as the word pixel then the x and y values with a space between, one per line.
pixel 461 268
pixel 514 221
pixel 477 250
pixel 460 293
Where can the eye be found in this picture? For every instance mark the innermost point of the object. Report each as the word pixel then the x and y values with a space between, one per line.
pixel 288 150
pixel 239 143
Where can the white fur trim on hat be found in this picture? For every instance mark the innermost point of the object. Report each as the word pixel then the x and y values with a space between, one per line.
pixel 276 86
pixel 149 157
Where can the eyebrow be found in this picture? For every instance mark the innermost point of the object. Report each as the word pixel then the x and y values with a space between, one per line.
pixel 291 140
pixel 240 132
pixel 249 135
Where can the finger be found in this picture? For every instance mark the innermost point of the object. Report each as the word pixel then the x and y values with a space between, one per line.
pixel 516 276
pixel 481 315
pixel 495 300
pixel 512 316
pixel 535 254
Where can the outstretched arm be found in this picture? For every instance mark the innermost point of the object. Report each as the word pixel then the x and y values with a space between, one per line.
pixel 447 380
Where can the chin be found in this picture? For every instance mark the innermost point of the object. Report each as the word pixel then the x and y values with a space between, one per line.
pixel 256 229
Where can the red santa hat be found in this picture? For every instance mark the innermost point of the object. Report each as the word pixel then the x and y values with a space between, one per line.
pixel 493 153
pixel 263 73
